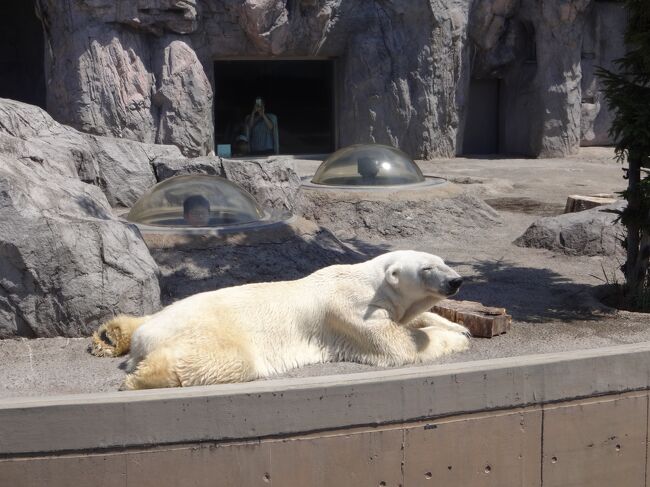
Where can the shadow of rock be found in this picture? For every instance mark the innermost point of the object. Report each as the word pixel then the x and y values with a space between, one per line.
pixel 299 251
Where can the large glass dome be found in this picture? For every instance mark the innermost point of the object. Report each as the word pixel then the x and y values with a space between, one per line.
pixel 368 165
pixel 195 201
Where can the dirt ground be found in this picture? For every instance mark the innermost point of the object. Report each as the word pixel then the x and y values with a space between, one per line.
pixel 549 295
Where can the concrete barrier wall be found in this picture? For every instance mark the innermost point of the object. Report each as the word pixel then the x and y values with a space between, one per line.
pixel 577 418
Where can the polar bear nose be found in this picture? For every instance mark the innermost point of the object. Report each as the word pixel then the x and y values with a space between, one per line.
pixel 455 283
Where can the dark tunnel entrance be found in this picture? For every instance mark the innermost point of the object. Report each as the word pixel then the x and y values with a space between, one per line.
pixel 299 93
pixel 22 74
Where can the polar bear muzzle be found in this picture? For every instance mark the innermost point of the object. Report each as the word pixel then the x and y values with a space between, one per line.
pixel 441 280
pixel 453 285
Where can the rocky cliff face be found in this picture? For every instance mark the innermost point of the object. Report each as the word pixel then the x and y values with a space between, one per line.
pixel 117 68
pixel 141 69
pixel 66 262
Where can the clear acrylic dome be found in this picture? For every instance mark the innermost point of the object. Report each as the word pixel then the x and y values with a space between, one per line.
pixel 195 201
pixel 368 165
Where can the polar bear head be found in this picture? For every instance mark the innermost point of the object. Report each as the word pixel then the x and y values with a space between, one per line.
pixel 420 275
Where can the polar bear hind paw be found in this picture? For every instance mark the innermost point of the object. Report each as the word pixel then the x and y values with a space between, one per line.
pixel 113 338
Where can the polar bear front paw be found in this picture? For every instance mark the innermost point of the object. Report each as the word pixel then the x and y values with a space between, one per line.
pixel 444 341
pixel 433 320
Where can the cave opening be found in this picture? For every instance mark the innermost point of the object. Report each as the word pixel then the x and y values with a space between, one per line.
pixel 300 93
pixel 22 72
pixel 481 135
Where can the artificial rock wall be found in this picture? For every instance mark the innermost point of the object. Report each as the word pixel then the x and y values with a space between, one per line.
pixel 142 69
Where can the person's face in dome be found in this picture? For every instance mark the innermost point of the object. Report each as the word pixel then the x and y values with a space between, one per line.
pixel 196 211
pixel 198 217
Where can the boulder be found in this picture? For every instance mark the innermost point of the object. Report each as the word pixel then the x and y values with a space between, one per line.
pixel 28 132
pixel 273 182
pixel 184 100
pixel 66 263
pixel 166 168
pixel 125 167
pixel 121 168
pixel 589 232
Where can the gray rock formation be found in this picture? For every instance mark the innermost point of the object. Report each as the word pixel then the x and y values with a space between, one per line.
pixel 537 52
pixel 274 182
pixel 142 69
pixel 121 168
pixel 66 262
pixel 109 76
pixel 125 167
pixel 601 45
pixel 184 99
pixel 27 132
pixel 396 214
pixel 589 232
pixel 166 168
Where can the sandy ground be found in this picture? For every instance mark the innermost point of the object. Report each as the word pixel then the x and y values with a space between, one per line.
pixel 550 295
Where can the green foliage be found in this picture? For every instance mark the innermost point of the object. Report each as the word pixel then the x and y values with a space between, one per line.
pixel 628 94
pixel 638 217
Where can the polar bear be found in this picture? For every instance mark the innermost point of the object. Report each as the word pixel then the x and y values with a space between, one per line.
pixel 375 313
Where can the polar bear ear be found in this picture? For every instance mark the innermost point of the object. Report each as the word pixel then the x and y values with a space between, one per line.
pixel 393 274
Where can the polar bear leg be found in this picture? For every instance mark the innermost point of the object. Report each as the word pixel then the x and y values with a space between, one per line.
pixel 394 344
pixel 207 365
pixel 184 366
pixel 154 371
pixel 432 320
pixel 440 341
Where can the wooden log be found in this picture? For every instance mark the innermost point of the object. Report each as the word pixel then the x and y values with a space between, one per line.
pixel 482 321
pixel 578 202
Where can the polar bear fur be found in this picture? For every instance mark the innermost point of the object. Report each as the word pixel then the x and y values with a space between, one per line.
pixel 375 312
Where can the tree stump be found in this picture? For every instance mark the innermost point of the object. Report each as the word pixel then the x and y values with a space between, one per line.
pixel 577 202
pixel 482 321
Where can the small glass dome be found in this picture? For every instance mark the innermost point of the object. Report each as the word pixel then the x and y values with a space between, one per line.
pixel 368 165
pixel 195 201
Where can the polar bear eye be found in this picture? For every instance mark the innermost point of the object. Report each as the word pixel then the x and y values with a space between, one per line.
pixel 427 268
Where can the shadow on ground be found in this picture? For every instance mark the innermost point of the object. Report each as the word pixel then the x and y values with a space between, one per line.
pixel 531 294
pixel 193 270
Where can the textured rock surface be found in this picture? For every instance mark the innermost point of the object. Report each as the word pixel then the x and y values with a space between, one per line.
pixel 535 49
pixel 589 232
pixel 66 263
pixel 109 90
pixel 389 215
pixel 125 167
pixel 273 182
pixel 142 69
pixel 121 168
pixel 184 98
pixel 28 132
pixel 109 76
pixel 602 44
pixel 166 168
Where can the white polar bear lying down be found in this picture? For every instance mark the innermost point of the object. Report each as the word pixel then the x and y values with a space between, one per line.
pixel 374 313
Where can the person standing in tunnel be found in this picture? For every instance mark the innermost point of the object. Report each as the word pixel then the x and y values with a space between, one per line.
pixel 262 130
